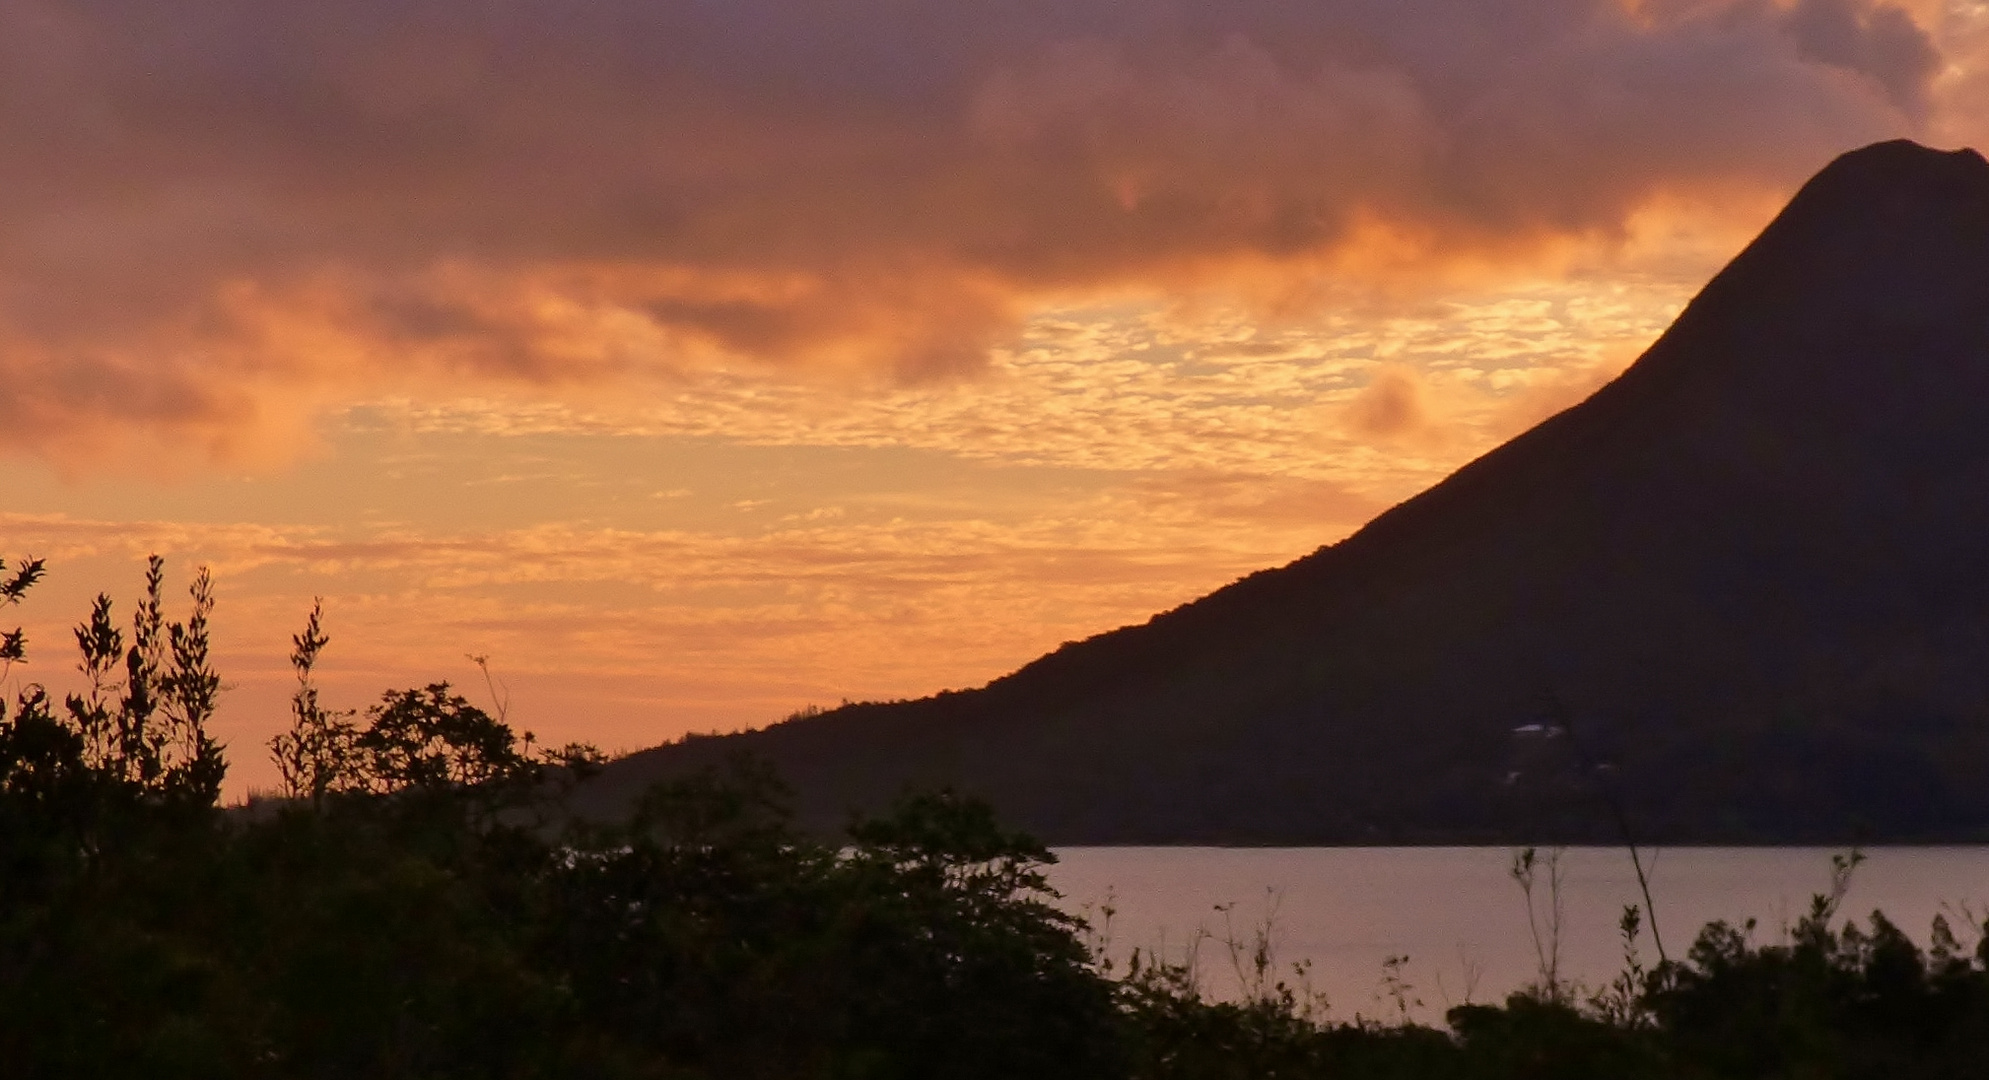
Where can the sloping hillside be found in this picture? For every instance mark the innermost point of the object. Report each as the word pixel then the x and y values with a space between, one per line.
pixel 1744 589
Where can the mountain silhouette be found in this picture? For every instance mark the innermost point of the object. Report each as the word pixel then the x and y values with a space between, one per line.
pixel 1741 593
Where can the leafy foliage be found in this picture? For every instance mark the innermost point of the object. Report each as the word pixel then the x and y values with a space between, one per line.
pixel 319 751
pixel 13 586
pixel 420 740
pixel 129 743
pixel 413 908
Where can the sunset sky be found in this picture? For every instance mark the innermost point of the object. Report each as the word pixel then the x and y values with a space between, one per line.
pixel 697 361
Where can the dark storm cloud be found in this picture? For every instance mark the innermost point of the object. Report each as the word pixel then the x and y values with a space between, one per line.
pixel 217 207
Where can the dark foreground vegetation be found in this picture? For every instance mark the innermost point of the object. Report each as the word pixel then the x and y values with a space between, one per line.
pixel 419 906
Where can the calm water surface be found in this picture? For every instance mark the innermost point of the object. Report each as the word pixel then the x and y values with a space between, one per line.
pixel 1458 916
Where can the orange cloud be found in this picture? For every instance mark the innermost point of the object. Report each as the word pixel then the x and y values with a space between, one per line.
pixel 224 215
pixel 1390 407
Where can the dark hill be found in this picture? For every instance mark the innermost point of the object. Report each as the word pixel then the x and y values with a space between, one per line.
pixel 1744 589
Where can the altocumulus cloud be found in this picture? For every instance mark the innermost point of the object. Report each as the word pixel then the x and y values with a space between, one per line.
pixel 222 215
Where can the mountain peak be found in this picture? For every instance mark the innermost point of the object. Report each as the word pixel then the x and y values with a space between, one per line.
pixel 1903 162
pixel 1872 228
pixel 1876 273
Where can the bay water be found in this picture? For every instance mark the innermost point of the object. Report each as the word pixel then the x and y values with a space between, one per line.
pixel 1459 918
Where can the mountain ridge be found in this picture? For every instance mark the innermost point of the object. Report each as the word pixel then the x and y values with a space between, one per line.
pixel 1720 571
